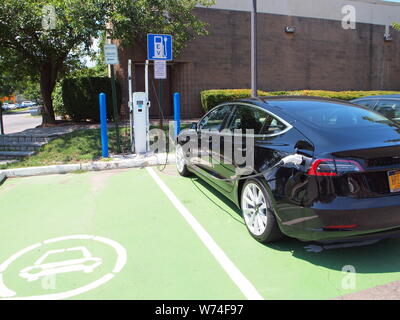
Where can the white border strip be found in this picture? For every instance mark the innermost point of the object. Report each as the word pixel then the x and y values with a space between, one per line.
pixel 233 272
pixel 368 11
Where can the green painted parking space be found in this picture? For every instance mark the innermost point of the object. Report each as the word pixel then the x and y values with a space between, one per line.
pixel 285 270
pixel 116 235
pixel 126 211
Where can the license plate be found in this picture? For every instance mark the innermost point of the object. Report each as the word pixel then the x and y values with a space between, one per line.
pixel 394 181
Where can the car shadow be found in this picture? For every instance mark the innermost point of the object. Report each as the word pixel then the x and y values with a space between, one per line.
pixel 382 256
pixel 235 212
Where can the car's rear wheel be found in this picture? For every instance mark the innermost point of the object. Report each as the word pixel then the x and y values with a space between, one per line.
pixel 258 212
pixel 181 165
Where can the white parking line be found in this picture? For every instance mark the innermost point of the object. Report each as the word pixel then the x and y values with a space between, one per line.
pixel 245 286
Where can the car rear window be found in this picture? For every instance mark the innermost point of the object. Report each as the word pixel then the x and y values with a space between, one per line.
pixel 332 115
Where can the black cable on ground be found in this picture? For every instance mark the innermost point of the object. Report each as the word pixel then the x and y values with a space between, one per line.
pixel 163 118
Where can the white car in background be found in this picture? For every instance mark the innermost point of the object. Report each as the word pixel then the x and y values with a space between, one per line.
pixel 26 104
pixel 10 106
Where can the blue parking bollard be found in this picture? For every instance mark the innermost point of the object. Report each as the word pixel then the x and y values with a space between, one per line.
pixel 103 125
pixel 177 113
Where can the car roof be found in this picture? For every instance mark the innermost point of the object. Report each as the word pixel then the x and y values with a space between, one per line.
pixel 388 96
pixel 277 100
pixel 280 105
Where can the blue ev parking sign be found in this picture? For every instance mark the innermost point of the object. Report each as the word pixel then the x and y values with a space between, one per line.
pixel 159 47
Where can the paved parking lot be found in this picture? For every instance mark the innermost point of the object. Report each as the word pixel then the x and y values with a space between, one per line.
pixel 121 235
pixel 19 121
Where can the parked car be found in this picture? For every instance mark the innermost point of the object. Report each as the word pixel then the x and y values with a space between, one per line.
pixel 36 110
pixel 388 105
pixel 324 170
pixel 26 104
pixel 10 106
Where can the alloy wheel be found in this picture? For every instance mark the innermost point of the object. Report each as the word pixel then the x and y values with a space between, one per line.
pixel 254 206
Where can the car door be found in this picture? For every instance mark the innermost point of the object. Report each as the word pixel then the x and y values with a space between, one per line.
pixel 209 134
pixel 389 108
pixel 271 140
pixel 241 142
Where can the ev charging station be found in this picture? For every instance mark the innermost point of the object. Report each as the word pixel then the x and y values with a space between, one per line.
pixel 159 48
pixel 140 110
pixel 140 107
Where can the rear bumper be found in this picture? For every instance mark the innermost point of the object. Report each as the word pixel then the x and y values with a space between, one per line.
pixel 374 218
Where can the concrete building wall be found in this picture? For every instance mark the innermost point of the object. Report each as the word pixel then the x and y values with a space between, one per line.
pixel 368 11
pixel 319 55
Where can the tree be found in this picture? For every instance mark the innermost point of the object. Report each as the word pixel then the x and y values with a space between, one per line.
pixel 41 36
pixel 10 81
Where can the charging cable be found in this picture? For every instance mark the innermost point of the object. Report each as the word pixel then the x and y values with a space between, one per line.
pixel 296 160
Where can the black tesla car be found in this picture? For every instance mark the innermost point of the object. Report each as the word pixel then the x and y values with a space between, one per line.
pixel 324 170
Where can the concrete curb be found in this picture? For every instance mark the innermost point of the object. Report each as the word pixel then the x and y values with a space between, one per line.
pixel 137 162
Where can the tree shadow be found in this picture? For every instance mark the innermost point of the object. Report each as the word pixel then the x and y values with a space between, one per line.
pixel 16 113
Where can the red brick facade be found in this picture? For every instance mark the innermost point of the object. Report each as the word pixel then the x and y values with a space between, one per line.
pixel 319 55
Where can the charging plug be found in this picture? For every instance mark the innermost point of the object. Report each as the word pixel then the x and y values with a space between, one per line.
pixel 295 159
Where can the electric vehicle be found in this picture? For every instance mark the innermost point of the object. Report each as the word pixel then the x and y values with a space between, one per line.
pixel 324 170
pixel 388 105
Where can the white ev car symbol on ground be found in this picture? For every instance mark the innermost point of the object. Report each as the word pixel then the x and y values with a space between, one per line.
pixel 86 264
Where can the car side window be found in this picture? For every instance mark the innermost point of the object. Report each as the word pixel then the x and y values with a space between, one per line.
pixel 389 108
pixel 215 119
pixel 273 126
pixel 366 103
pixel 250 118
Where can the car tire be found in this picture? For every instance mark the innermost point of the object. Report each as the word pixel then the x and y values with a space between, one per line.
pixel 181 165
pixel 258 212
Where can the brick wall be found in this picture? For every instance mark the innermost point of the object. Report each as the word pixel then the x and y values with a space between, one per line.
pixel 320 55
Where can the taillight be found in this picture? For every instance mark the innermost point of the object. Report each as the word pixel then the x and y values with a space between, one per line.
pixel 331 167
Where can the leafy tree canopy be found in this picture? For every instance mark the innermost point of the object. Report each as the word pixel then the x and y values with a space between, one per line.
pixel 40 38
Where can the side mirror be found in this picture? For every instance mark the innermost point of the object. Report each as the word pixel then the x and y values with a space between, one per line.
pixel 193 126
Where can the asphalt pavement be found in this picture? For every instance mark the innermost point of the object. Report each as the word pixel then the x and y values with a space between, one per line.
pixel 19 121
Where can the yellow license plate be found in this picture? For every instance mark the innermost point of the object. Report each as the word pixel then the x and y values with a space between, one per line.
pixel 394 181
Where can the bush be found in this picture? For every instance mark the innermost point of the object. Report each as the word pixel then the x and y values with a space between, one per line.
pixel 212 98
pixel 81 97
pixel 58 103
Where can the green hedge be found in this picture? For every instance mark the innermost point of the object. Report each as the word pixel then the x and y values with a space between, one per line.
pixel 81 97
pixel 212 98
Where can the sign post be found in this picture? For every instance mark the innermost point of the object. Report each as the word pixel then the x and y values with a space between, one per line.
pixel 160 50
pixel 1 119
pixel 254 84
pixel 111 57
